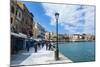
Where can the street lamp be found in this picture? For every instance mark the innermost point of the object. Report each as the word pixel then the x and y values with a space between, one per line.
pixel 57 48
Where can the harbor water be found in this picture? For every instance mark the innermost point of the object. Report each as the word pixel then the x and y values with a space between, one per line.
pixel 78 51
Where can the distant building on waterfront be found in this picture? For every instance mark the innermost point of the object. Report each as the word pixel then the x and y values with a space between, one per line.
pixel 69 37
pixel 88 37
pixel 79 37
pixel 49 36
pixel 75 37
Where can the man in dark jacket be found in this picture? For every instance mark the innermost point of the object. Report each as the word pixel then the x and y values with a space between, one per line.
pixel 28 43
pixel 35 46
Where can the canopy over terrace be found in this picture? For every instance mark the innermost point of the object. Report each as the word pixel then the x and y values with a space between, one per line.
pixel 19 35
pixel 18 42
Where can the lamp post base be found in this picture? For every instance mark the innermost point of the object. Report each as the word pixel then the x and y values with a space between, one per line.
pixel 56 55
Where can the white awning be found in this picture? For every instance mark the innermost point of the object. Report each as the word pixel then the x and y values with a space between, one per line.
pixel 38 39
pixel 19 35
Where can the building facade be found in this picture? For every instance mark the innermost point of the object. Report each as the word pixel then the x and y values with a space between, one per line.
pixel 21 25
pixel 50 36
pixel 21 18
pixel 27 25
pixel 38 31
pixel 13 15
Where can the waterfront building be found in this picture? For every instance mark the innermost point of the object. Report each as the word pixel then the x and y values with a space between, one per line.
pixel 50 36
pixel 21 25
pixel 13 15
pixel 21 18
pixel 89 37
pixel 38 30
pixel 27 25
pixel 41 32
pixel 81 37
pixel 69 37
pixel 72 37
pixel 35 30
pixel 18 20
pixel 47 35
pixel 65 37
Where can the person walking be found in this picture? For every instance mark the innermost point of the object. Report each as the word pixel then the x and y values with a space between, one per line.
pixel 38 44
pixel 42 43
pixel 28 43
pixel 50 45
pixel 35 46
pixel 47 45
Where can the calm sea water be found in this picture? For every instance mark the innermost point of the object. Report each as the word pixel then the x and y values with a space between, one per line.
pixel 78 51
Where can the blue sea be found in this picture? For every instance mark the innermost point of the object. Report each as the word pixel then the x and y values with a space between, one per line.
pixel 78 51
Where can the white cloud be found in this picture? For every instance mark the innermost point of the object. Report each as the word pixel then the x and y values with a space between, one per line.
pixel 74 18
pixel 89 26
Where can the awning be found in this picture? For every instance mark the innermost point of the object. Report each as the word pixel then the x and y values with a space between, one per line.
pixel 38 39
pixel 19 35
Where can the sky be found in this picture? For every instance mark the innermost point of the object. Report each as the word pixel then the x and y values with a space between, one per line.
pixel 73 19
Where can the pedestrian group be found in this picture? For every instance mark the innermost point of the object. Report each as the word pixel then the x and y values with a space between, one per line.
pixel 37 44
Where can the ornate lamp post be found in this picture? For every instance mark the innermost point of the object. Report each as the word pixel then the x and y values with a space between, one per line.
pixel 57 48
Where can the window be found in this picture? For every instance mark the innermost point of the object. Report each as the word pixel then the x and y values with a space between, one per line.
pixel 27 21
pixel 11 20
pixel 12 9
pixel 31 26
pixel 16 12
pixel 31 19
pixel 19 15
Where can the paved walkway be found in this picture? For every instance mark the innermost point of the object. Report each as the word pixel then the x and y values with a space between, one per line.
pixel 43 56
